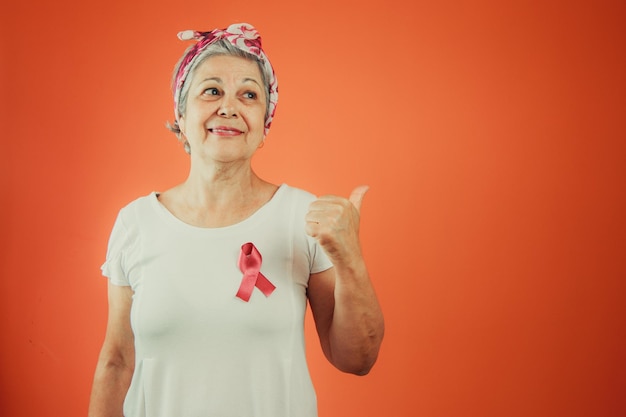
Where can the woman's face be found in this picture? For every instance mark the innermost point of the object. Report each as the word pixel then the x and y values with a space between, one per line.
pixel 225 113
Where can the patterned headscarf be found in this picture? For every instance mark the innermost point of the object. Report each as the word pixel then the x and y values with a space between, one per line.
pixel 241 35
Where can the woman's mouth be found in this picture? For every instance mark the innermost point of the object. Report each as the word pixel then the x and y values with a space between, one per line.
pixel 225 131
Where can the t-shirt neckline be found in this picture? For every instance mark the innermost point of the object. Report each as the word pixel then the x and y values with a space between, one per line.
pixel 253 218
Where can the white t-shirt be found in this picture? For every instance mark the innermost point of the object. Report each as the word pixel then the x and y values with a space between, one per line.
pixel 200 350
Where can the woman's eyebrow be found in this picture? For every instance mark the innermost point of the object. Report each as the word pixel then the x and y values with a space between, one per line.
pixel 219 80
pixel 250 79
pixel 216 79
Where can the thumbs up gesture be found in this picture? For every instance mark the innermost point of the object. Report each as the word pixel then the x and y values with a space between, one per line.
pixel 334 222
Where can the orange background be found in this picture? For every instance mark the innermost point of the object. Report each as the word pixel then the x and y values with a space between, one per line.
pixel 492 135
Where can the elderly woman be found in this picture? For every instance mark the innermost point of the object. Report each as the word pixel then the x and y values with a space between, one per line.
pixel 208 281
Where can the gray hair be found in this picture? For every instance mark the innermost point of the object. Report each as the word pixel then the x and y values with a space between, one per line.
pixel 221 47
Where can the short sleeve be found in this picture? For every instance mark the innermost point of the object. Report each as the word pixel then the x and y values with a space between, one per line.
pixel 114 268
pixel 319 259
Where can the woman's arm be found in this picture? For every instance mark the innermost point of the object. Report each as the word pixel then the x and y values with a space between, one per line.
pixel 117 357
pixel 347 315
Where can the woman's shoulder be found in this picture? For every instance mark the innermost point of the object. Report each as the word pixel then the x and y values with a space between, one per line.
pixel 139 206
pixel 296 193
pixel 296 196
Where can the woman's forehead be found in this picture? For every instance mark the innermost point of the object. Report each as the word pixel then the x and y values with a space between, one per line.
pixel 225 67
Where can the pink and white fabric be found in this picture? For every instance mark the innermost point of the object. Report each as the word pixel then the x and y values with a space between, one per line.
pixel 241 35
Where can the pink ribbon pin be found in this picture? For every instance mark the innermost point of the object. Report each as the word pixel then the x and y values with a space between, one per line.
pixel 250 264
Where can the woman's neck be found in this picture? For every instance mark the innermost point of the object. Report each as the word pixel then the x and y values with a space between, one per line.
pixel 220 188
pixel 218 197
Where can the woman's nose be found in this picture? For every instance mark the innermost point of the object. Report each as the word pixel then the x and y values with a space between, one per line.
pixel 228 107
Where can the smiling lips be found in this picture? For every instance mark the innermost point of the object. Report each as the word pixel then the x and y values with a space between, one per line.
pixel 225 131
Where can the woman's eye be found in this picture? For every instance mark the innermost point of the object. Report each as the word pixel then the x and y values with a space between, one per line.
pixel 250 95
pixel 211 92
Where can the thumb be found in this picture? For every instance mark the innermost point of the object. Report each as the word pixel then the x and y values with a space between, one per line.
pixel 356 198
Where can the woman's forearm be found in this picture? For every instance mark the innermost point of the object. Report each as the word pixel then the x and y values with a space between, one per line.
pixel 357 326
pixel 110 385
